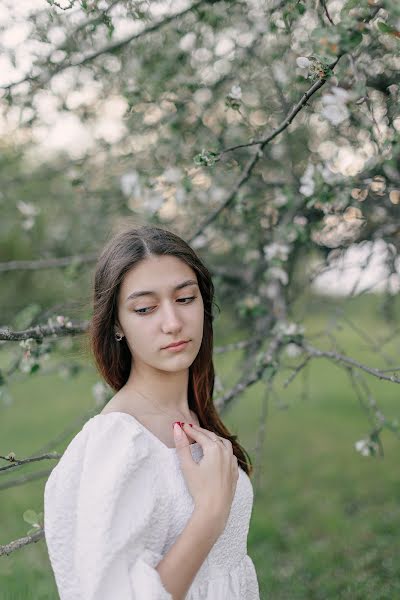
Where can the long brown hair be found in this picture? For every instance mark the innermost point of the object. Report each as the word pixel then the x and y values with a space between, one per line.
pixel 113 359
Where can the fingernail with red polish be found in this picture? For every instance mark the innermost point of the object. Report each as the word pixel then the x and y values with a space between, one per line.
pixel 191 424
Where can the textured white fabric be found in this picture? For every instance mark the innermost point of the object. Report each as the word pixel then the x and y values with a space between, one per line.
pixel 116 502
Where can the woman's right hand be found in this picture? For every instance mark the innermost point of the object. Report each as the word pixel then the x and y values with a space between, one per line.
pixel 212 481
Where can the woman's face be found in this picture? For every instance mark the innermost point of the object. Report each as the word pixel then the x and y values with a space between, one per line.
pixel 151 321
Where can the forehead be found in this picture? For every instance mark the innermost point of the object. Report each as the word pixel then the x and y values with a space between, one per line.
pixel 158 273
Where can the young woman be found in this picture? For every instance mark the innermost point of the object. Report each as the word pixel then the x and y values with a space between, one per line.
pixel 137 507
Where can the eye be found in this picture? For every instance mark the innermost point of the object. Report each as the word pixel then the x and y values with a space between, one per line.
pixel 140 310
pixel 188 298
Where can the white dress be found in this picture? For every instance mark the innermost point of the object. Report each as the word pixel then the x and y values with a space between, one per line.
pixel 116 502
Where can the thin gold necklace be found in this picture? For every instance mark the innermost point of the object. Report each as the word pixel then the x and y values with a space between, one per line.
pixel 154 403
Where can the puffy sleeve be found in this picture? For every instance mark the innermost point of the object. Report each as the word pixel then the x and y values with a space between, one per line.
pixel 100 504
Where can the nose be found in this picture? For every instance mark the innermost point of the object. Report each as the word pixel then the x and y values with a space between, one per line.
pixel 170 318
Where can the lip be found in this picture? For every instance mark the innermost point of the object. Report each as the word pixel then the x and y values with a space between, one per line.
pixel 177 345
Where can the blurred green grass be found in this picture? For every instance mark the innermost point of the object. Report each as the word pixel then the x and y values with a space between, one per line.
pixel 325 521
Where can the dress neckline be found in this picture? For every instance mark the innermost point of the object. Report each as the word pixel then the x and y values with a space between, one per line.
pixel 147 431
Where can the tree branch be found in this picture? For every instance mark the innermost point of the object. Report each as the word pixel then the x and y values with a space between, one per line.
pixel 25 479
pixel 348 361
pixel 40 331
pixel 47 263
pixel 17 463
pixel 109 48
pixel 259 153
pixel 17 544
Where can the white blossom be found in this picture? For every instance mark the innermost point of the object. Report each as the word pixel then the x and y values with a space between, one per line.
pixel 302 62
pixel 280 274
pixel 276 250
pixel 290 328
pixel 293 350
pixel 335 113
pixel 328 175
pixel 307 189
pixel 341 94
pixel 236 92
pixel 362 446
pixel 27 209
pixel 334 105
pixel 279 198
pixel 300 220
pixel 270 290
pixel 172 175
pixel 130 184
pixel 366 447
pixel 307 186
pixel 27 343
pixel 30 211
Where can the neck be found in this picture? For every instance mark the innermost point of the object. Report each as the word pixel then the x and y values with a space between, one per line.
pixel 161 389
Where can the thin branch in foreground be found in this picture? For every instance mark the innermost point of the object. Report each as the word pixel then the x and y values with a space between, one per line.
pixel 336 356
pixel 296 371
pixel 40 331
pixel 24 461
pixel 17 544
pixel 259 152
pixel 373 344
pixel 328 16
pixel 268 359
pixel 46 263
pixel 105 49
pixel 26 478
pixel 289 118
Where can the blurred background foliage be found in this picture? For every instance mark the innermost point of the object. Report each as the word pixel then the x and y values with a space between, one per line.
pixel 267 135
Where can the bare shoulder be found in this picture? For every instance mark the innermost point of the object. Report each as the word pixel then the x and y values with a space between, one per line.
pixel 107 409
pixel 115 404
pixel 121 403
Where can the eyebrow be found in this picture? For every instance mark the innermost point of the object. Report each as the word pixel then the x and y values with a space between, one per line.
pixel 152 293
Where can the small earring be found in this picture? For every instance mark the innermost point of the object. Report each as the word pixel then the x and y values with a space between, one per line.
pixel 118 338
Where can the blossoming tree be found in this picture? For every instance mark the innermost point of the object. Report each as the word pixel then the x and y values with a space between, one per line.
pixel 265 133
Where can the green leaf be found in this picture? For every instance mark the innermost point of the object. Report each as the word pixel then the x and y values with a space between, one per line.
pixel 206 158
pixel 301 9
pixel 384 27
pixel 348 6
pixel 187 183
pixel 350 40
pixel 30 516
